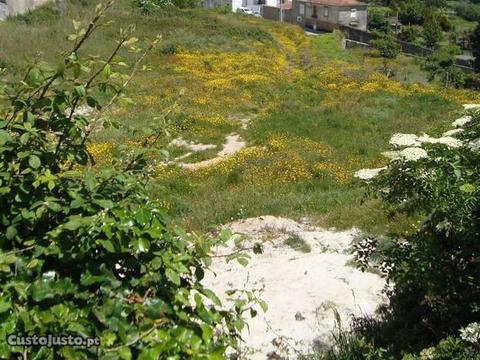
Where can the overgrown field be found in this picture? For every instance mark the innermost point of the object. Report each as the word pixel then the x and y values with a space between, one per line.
pixel 316 113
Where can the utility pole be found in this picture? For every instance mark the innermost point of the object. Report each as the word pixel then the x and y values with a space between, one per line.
pixel 281 11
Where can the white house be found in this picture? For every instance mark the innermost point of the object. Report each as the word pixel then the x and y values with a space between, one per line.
pixel 13 7
pixel 254 5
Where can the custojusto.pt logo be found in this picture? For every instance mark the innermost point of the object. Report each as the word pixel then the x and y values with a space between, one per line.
pixel 50 340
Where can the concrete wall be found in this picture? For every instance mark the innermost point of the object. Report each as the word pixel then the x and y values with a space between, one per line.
pixel 14 7
pixel 273 13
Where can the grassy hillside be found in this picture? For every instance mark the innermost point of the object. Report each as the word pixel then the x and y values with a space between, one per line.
pixel 317 113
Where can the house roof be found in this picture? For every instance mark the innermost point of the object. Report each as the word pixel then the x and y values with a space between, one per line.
pixel 336 2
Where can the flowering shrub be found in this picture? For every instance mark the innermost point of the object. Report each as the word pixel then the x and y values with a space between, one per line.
pixel 435 271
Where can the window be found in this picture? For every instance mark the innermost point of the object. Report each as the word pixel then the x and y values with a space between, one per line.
pixel 325 11
pixel 314 11
pixel 301 10
pixel 353 13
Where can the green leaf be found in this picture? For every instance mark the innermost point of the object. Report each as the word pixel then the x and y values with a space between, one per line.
pixel 468 188
pixel 242 261
pixel 11 232
pixel 34 161
pixel 263 305
pixel 172 276
pixel 24 138
pixel 107 244
pixel 5 305
pixel 124 353
pixel 80 91
pixel 212 296
pixel 4 137
pixel 106 204
pixel 107 71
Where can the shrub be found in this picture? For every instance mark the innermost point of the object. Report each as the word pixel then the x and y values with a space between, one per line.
pixel 377 21
pixel 410 33
pixel 387 48
pixel 87 251
pixel 435 270
pixel 432 33
pixel 441 64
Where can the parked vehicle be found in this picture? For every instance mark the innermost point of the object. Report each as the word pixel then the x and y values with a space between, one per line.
pixel 244 10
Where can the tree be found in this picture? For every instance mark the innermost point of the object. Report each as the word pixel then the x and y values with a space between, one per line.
pixel 410 33
pixel 411 12
pixel 441 65
pixel 377 21
pixel 432 32
pixel 475 39
pixel 388 49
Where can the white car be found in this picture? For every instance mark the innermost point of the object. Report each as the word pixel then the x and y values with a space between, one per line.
pixel 244 10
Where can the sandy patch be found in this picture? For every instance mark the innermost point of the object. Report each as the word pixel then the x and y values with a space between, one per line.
pixel 233 144
pixel 192 146
pixel 301 288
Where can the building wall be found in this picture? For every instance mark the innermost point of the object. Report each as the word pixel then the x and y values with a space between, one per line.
pixel 273 13
pixel 328 20
pixel 14 7
pixel 3 11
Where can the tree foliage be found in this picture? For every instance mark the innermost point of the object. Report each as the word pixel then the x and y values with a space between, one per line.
pixel 475 39
pixel 87 251
pixel 441 64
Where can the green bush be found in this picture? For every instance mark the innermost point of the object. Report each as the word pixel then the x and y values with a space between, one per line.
pixel 410 33
pixel 442 65
pixel 87 251
pixel 434 271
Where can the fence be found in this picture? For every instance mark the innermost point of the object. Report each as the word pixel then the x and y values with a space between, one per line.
pixel 363 37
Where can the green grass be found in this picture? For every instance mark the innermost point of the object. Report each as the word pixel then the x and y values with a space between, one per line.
pixel 292 106
pixel 298 244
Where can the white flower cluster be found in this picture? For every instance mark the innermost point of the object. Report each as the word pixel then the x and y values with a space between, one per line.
pixel 368 174
pixel 471 333
pixel 412 143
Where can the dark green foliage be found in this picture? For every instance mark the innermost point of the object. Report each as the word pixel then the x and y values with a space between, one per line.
pixel 441 65
pixel 470 12
pixel 410 33
pixel 432 32
pixel 88 252
pixel 387 48
pixel 475 39
pixel 377 21
pixel 411 12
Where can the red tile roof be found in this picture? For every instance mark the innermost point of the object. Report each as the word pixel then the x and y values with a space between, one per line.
pixel 336 2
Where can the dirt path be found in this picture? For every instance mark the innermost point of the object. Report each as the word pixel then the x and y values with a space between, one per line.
pixel 233 144
pixel 301 288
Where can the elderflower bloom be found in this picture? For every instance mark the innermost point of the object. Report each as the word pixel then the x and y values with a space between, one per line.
pixel 462 121
pixel 413 153
pixel 471 106
pixel 452 132
pixel 368 174
pixel 399 139
pixel 471 333
pixel 446 140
